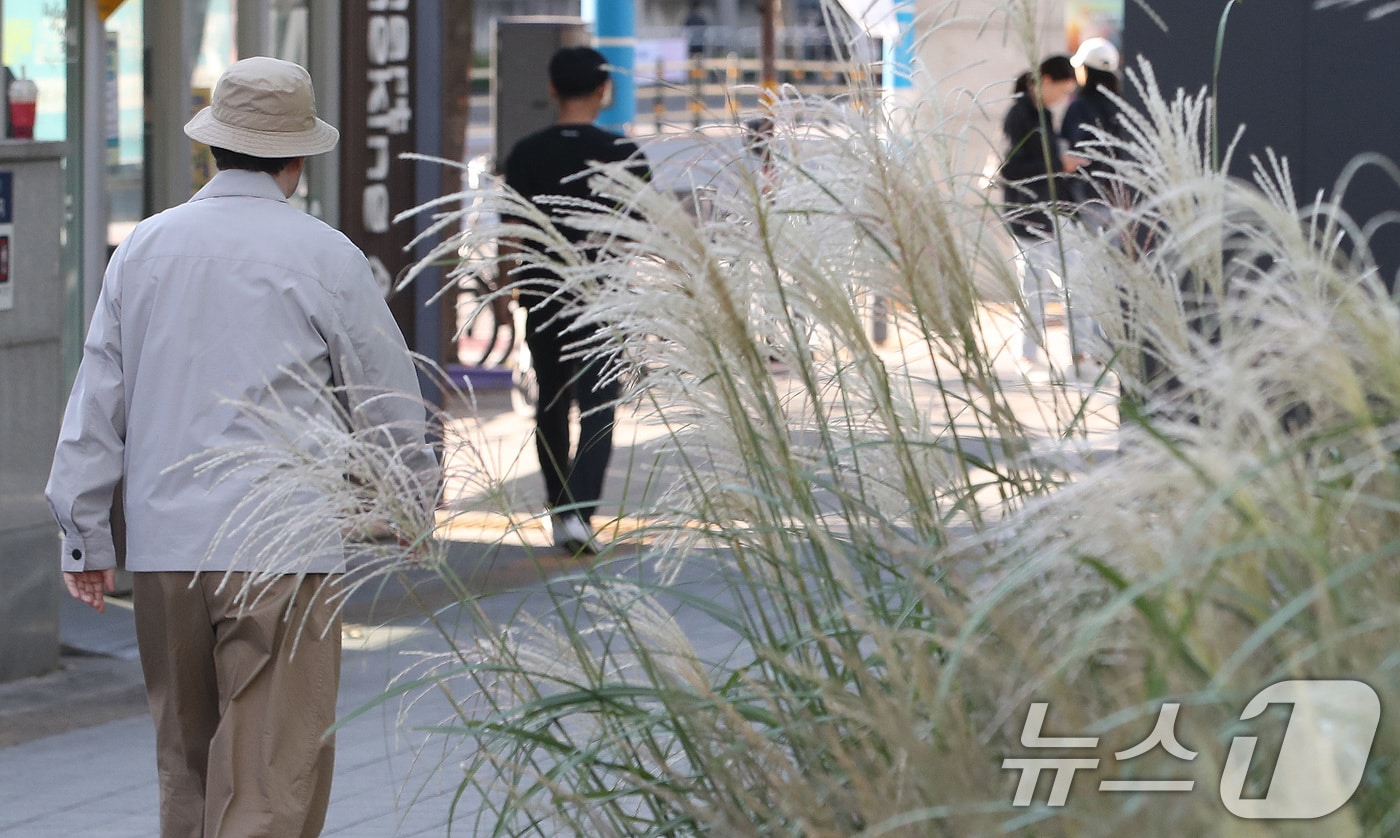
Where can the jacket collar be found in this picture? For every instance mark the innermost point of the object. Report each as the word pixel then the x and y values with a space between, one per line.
pixel 239 182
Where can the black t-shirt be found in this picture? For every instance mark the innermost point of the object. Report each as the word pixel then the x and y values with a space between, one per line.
pixel 539 165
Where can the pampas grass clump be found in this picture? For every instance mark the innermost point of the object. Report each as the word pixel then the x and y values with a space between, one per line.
pixel 911 545
pixel 908 563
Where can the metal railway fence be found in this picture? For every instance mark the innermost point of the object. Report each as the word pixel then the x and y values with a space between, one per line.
pixel 694 92
pixel 705 89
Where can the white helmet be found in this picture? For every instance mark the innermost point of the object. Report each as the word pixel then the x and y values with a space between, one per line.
pixel 1097 54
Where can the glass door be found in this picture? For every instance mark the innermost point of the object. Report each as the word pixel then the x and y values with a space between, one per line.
pixel 125 117
pixel 210 25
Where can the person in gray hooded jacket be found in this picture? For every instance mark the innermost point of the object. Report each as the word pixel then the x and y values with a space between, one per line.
pixel 234 298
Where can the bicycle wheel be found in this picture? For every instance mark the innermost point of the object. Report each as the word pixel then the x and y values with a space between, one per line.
pixel 486 330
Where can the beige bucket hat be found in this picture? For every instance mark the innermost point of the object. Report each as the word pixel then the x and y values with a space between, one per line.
pixel 263 107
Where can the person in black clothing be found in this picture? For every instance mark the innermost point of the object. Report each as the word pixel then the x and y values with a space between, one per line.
pixel 1030 175
pixel 1092 111
pixel 1089 116
pixel 542 165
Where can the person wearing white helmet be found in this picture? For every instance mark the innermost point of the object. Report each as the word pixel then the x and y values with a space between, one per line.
pixel 1092 114
pixel 1092 111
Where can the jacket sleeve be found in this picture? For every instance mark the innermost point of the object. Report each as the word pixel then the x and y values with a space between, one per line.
pixel 372 365
pixel 88 461
pixel 1078 118
pixel 1086 117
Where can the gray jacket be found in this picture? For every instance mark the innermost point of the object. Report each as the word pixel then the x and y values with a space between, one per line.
pixel 235 297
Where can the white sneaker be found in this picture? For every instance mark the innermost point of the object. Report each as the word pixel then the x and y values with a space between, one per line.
pixel 574 534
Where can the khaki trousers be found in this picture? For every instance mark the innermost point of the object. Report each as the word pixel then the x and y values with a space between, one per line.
pixel 240 719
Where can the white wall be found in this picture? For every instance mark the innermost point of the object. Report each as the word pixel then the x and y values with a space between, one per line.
pixel 974 49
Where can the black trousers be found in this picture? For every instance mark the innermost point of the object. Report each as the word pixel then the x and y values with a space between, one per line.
pixel 571 479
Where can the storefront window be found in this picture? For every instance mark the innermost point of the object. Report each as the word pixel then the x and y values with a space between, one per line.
pixel 34 47
pixel 211 48
pixel 289 32
pixel 215 50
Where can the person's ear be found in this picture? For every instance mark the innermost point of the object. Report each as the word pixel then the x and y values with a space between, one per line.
pixel 607 97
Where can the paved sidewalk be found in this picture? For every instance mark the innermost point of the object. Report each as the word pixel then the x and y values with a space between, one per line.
pixel 97 777
pixel 77 748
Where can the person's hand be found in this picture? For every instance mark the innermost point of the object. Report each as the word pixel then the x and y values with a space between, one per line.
pixel 91 586
pixel 384 533
pixel 412 552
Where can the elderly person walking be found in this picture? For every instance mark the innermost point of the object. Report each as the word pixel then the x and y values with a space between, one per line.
pixel 235 297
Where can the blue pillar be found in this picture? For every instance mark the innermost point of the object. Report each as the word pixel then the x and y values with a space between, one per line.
pixel 898 55
pixel 615 28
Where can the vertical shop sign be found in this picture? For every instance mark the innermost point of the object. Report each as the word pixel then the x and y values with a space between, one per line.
pixel 378 125
pixel 7 239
